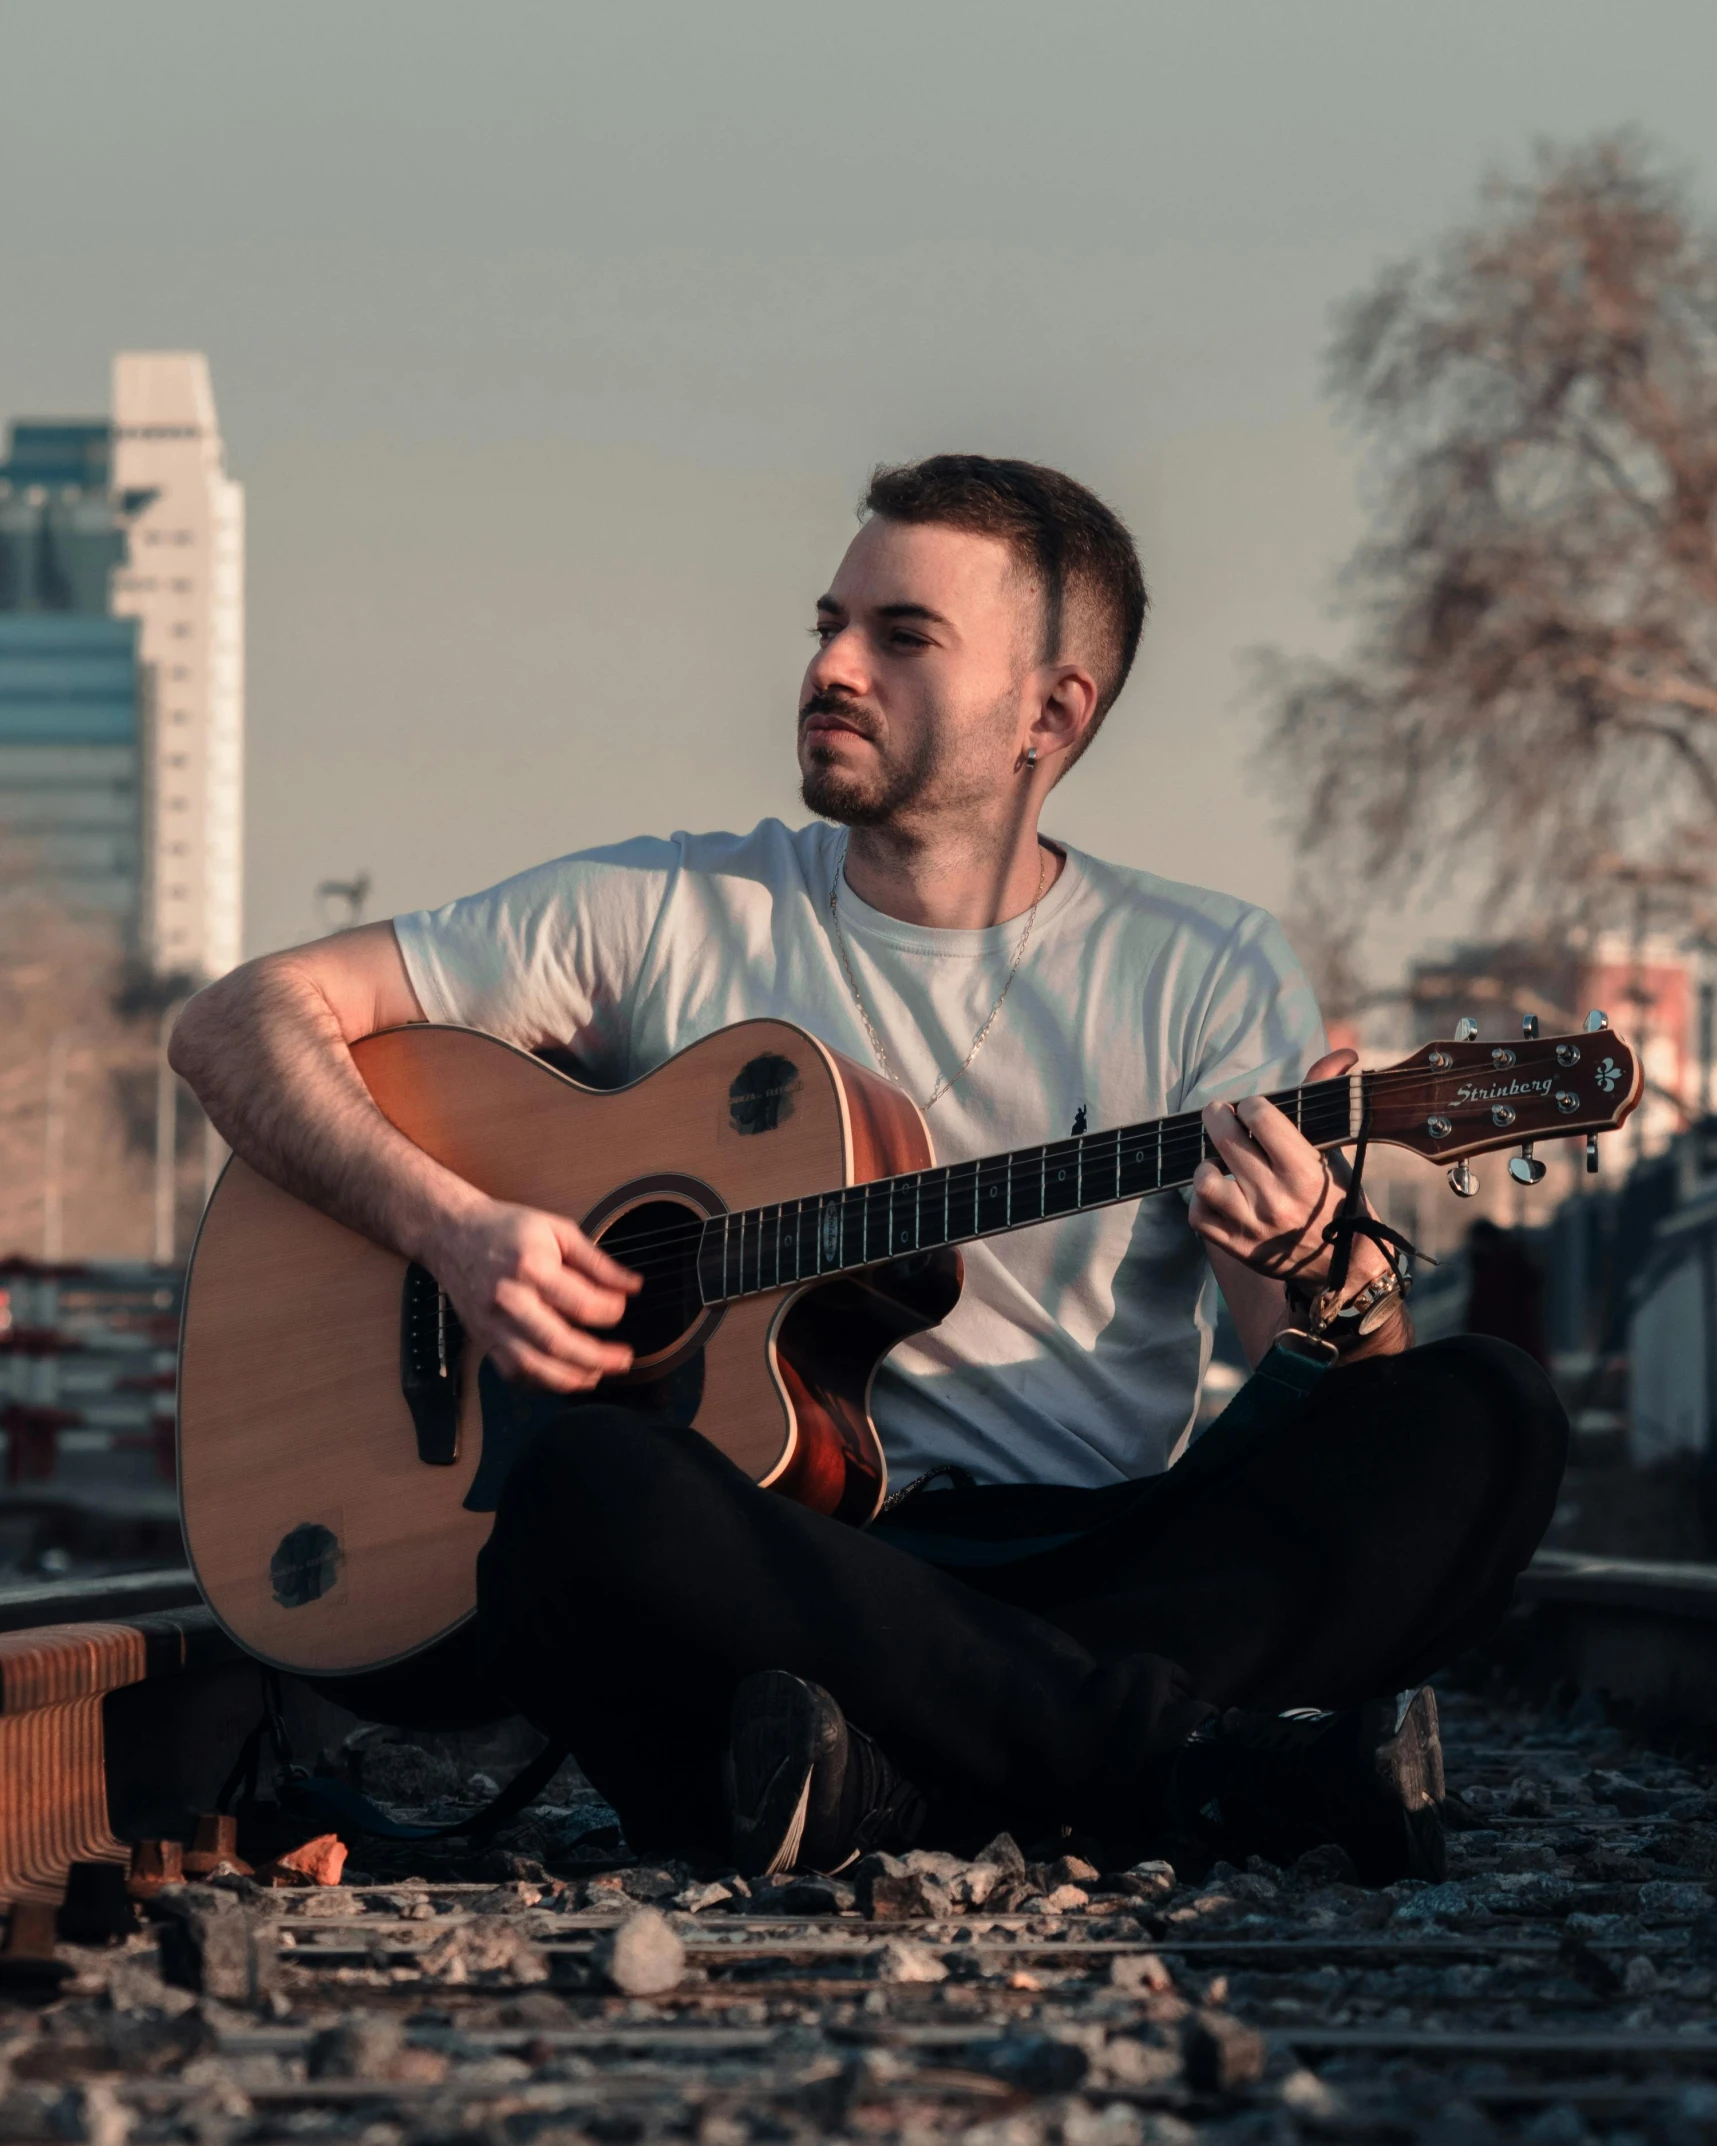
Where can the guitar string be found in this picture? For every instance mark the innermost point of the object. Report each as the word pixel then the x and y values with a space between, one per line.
pixel 660 1250
pixel 678 1251
pixel 763 1269
pixel 1180 1126
pixel 1184 1130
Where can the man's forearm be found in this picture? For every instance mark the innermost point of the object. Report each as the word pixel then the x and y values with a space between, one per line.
pixel 1259 1307
pixel 264 1051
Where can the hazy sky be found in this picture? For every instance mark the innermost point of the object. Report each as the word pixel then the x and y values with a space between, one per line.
pixel 552 344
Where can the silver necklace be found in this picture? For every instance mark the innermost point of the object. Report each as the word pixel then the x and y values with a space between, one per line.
pixel 882 1058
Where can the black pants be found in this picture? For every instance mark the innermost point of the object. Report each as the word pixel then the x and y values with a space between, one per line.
pixel 635 1576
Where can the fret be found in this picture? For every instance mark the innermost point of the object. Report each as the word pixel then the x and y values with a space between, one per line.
pixel 852 1226
pixel 1133 1163
pixel 1159 1154
pixel 879 1219
pixel 729 1270
pixel 962 1202
pixel 747 1251
pixel 1061 1177
pixel 903 1216
pixel 1183 1150
pixel 1100 1170
pixel 932 1208
pixel 828 1232
pixel 1025 1185
pixel 992 1195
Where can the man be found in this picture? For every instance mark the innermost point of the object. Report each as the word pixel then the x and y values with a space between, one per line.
pixel 1057 1629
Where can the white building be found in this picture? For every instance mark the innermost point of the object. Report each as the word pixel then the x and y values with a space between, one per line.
pixel 184 584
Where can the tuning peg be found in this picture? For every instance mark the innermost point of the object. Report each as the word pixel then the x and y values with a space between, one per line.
pixel 1525 1168
pixel 1591 1154
pixel 1462 1182
pixel 1596 1020
pixel 1466 1028
pixel 1529 1027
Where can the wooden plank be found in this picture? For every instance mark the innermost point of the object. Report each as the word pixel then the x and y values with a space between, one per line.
pixel 113 1598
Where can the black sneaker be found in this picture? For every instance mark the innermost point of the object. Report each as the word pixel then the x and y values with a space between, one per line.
pixel 1275 1785
pixel 805 1790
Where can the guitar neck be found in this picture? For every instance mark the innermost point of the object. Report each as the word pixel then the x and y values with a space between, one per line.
pixel 762 1248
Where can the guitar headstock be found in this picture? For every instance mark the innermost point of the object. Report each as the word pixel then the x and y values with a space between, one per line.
pixel 1464 1097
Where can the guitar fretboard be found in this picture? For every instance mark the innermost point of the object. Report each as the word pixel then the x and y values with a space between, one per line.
pixel 756 1249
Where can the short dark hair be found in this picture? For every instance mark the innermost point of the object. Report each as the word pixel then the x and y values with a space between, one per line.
pixel 1080 552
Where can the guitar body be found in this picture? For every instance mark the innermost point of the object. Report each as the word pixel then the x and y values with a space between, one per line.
pixel 323 1538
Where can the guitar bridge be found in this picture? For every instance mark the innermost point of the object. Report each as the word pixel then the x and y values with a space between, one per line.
pixel 431 1352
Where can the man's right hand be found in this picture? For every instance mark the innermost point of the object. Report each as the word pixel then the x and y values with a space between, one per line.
pixel 528 1288
pixel 268 1050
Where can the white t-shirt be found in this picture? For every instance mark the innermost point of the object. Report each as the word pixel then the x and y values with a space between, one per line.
pixel 1076 1352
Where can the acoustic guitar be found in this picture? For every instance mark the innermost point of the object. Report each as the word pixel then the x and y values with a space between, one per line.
pixel 341 1451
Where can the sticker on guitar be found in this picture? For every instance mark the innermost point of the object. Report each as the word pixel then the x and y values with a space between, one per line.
pixel 761 1097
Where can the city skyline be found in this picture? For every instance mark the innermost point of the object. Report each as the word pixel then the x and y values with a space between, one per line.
pixel 555 356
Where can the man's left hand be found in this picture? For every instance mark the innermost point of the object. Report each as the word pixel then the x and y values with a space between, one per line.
pixel 1270 1207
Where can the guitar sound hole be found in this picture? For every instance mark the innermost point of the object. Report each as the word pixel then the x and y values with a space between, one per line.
pixel 658 1240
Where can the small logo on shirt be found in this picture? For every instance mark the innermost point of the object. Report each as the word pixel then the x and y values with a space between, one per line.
pixel 1079 1121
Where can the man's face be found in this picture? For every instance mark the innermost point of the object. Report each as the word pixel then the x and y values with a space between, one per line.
pixel 913 702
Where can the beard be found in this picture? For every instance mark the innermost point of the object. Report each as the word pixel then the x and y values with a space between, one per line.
pixel 835 792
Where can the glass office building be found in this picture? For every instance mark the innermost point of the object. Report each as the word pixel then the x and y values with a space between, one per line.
pixel 122 665
pixel 72 707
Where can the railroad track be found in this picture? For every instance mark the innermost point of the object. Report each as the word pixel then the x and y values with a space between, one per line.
pixel 1559 1986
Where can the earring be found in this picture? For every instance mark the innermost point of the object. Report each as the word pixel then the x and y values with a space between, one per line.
pixel 1031 756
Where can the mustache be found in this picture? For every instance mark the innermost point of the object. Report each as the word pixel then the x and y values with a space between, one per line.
pixel 836 704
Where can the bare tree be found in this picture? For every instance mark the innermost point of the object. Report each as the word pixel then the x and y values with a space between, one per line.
pixel 79 1065
pixel 1534 672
